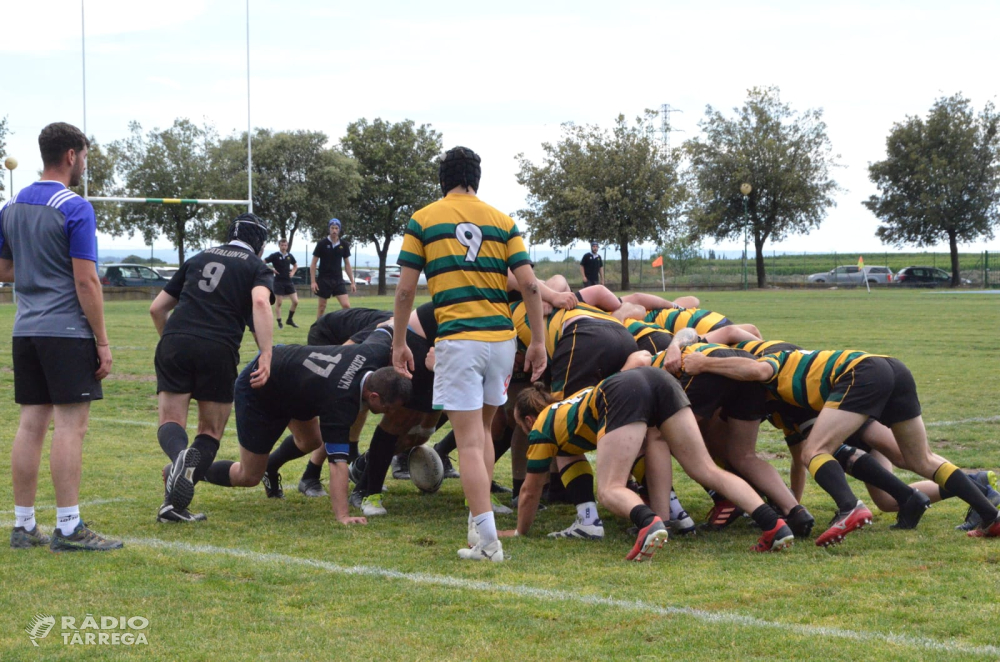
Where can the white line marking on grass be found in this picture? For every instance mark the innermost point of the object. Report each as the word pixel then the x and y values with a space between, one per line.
pixel 720 617
pixel 980 419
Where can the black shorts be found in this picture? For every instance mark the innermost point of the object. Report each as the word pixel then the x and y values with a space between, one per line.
pixel 880 387
pixel 649 395
pixel 189 364
pixel 589 351
pixel 743 401
pixel 55 371
pixel 422 393
pixel 330 287
pixel 797 422
pixel 257 428
pixel 655 342
pixel 283 287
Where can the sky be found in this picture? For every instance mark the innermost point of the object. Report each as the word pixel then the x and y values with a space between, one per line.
pixel 500 78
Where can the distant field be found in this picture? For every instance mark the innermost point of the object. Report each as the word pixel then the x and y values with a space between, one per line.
pixel 265 579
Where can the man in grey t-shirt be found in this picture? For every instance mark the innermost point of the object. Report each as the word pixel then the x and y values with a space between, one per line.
pixel 48 248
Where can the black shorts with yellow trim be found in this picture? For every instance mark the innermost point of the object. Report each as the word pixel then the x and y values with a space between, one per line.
pixel 878 386
pixel 590 350
pixel 655 341
pixel 647 395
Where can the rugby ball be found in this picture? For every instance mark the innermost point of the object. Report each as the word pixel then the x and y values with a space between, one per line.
pixel 426 469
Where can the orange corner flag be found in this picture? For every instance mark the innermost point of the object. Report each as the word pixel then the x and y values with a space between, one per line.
pixel 658 262
pixel 861 262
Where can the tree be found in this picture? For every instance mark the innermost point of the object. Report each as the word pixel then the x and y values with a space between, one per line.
pixel 940 178
pixel 680 254
pixel 399 175
pixel 101 183
pixel 785 156
pixel 298 183
pixel 617 187
pixel 172 163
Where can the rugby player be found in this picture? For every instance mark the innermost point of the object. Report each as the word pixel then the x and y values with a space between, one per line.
pixel 329 253
pixel 284 266
pixel 213 296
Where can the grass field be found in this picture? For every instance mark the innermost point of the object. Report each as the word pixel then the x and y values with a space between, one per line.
pixel 265 579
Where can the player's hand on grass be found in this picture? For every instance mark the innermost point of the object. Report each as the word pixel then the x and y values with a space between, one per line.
pixel 103 362
pixel 260 376
pixel 346 521
pixel 535 360
pixel 402 360
pixel 508 533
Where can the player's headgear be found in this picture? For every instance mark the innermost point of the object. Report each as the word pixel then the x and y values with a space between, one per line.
pixel 251 230
pixel 334 221
pixel 459 167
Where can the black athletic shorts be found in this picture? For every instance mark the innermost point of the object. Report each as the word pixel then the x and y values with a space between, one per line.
pixel 588 351
pixel 880 387
pixel 55 371
pixel 283 287
pixel 190 364
pixel 330 287
pixel 649 395
pixel 257 428
pixel 797 422
pixel 743 401
pixel 655 342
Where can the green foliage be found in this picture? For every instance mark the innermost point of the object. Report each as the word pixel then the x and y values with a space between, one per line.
pixel 172 163
pixel 680 255
pixel 617 187
pixel 101 183
pixel 298 182
pixel 399 175
pixel 940 178
pixel 785 156
pixel 135 259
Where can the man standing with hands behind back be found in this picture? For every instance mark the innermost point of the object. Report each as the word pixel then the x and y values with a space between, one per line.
pixel 466 248
pixel 48 247
pixel 329 253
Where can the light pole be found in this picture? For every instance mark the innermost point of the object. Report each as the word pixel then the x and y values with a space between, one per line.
pixel 745 189
pixel 10 163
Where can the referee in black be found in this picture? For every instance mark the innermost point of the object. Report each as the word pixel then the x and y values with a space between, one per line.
pixel 213 296
pixel 329 282
pixel 592 267
pixel 284 266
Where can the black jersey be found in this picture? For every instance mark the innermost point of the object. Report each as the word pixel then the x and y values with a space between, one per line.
pixel 214 291
pixel 308 381
pixel 592 265
pixel 331 257
pixel 337 327
pixel 282 264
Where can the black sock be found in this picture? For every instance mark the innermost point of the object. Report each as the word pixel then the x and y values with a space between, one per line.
pixel 867 469
pixel 829 475
pixel 959 484
pixel 447 445
pixel 518 482
pixel 502 445
pixel 312 471
pixel 218 473
pixel 578 478
pixel 173 439
pixel 765 517
pixel 207 447
pixel 945 494
pixel 291 314
pixel 380 452
pixel 286 452
pixel 642 516
pixel 352 451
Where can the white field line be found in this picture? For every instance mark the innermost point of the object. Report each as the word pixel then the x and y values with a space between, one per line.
pixel 980 419
pixel 720 617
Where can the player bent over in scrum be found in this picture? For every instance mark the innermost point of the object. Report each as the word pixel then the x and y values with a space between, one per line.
pixel 316 392
pixel 613 418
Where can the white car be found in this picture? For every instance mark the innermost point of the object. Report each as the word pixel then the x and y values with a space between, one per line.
pixel 166 272
pixel 392 277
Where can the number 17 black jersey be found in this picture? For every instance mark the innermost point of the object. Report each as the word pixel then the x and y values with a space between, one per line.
pixel 214 292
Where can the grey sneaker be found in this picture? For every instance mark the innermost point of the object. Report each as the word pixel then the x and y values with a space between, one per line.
pixel 371 506
pixel 22 539
pixel 988 480
pixel 168 514
pixel 401 466
pixel 180 480
pixel 355 499
pixel 82 540
pixel 449 468
pixel 312 488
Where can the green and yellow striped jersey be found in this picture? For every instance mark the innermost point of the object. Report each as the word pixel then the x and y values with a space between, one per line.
pixel 804 378
pixel 761 347
pixel 569 427
pixel 675 319
pixel 554 323
pixel 465 247
pixel 701 347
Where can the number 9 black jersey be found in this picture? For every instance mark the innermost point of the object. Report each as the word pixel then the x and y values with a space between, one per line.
pixel 214 292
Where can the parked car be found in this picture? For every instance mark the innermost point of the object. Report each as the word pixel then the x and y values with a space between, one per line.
pixel 392 277
pixel 925 277
pixel 853 274
pixel 166 272
pixel 129 275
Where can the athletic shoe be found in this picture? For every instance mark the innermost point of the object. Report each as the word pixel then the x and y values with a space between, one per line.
pixel 683 525
pixel 778 538
pixel 355 498
pixel 371 505
pixel 169 514
pixel 912 510
pixel 311 487
pixel 472 534
pixel 180 481
pixel 492 552
pixel 497 488
pixel 23 539
pixel 499 508
pixel 449 468
pixel 844 523
pixel 292 324
pixel 401 466
pixel 272 485
pixel 991 531
pixel 82 540
pixel 279 323
pixel 356 469
pixel 649 539
pixel 722 514
pixel 800 521
pixel 580 530
pixel 988 480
